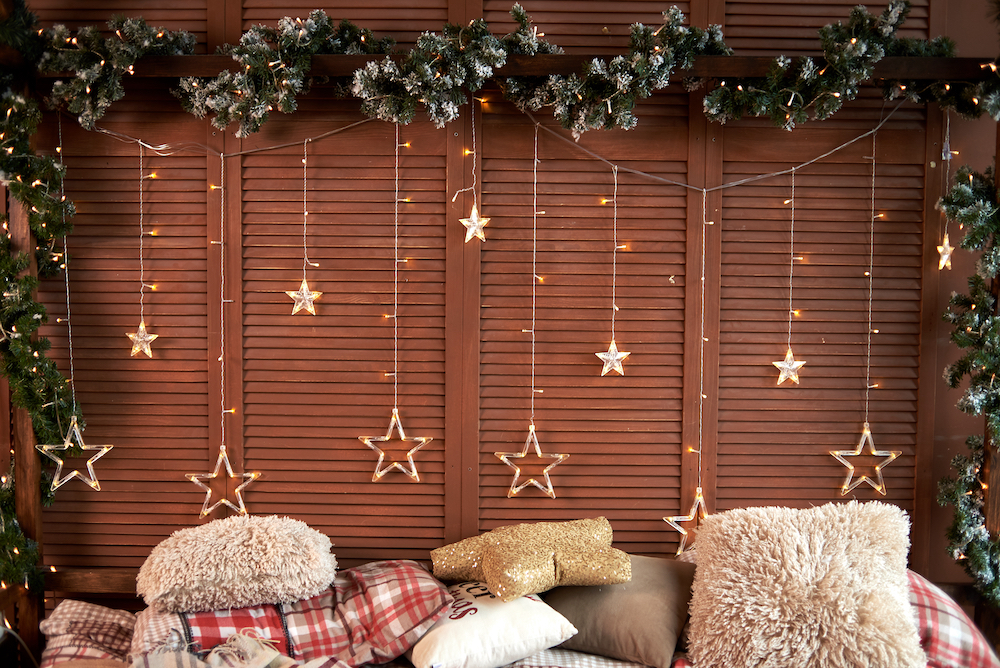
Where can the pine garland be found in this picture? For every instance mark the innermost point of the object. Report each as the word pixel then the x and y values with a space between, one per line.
pixel 273 70
pixel 972 202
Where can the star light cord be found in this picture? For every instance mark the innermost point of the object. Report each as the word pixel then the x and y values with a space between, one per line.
pixel 613 357
pixel 304 296
pixel 74 434
pixel 223 458
pixel 788 367
pixel 141 339
pixel 866 440
pixel 531 442
pixel 699 509
pixel 946 249
pixel 395 422
pixel 474 224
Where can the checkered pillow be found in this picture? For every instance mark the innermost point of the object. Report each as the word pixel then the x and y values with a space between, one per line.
pixel 948 636
pixel 80 630
pixel 372 614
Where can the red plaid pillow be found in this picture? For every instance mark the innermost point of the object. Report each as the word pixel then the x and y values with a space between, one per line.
pixel 374 613
pixel 211 629
pixel 948 636
pixel 81 630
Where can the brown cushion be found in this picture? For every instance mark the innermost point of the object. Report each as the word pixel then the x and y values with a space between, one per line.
pixel 638 621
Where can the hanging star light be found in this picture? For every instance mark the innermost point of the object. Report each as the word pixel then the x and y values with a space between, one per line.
pixel 613 359
pixel 380 470
pixel 141 340
pixel 697 514
pixel 199 478
pixel 945 249
pixel 73 440
pixel 304 298
pixel 531 442
pixel 866 439
pixel 789 368
pixel 474 225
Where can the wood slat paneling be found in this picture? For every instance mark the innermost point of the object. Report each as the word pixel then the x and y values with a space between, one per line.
pixel 774 441
pixel 622 432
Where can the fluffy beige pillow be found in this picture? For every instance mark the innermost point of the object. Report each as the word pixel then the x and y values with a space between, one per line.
pixel 523 559
pixel 822 587
pixel 237 562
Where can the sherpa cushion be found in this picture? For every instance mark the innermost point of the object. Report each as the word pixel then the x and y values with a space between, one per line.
pixel 637 621
pixel 523 559
pixel 237 562
pixel 822 587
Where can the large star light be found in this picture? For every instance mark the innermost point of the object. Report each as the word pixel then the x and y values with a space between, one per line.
pixel 474 225
pixel 531 442
pixel 851 482
pixel 74 435
pixel 200 478
pixel 141 340
pixel 697 514
pixel 381 468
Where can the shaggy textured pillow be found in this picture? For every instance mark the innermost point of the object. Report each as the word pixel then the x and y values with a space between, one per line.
pixel 822 587
pixel 237 562
pixel 637 621
pixel 523 559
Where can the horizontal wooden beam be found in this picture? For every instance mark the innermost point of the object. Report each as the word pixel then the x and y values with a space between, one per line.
pixel 907 68
pixel 92 581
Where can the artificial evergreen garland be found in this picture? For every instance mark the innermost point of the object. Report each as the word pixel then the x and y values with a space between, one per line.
pixel 273 70
pixel 972 201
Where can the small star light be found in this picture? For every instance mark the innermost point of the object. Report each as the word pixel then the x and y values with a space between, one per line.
pixel 532 440
pixel 613 359
pixel 304 298
pixel 789 368
pixel 474 225
pixel 842 455
pixel 141 340
pixel 698 512
pixel 380 470
pixel 73 434
pixel 198 478
pixel 945 249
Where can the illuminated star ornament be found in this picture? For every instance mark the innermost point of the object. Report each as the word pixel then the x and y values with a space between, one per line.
pixel 613 359
pixel 200 478
pixel 74 436
pixel 697 514
pixel 474 225
pixel 380 467
pixel 945 249
pixel 304 298
pixel 531 441
pixel 789 368
pixel 141 340
pixel 866 439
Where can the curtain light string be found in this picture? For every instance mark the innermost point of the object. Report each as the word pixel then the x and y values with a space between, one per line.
pixel 871 288
pixel 701 343
pixel 222 303
pixel 475 201
pixel 69 319
pixel 395 282
pixel 791 260
pixel 142 268
pixel 614 255
pixel 534 264
pixel 305 208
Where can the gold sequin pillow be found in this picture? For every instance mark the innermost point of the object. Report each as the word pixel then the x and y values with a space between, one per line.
pixel 524 559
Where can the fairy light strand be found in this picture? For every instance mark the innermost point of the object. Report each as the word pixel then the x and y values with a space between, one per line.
pixel 395 280
pixel 473 152
pixel 142 267
pixel 791 260
pixel 871 290
pixel 69 318
pixel 305 208
pixel 614 254
pixel 534 264
pixel 222 300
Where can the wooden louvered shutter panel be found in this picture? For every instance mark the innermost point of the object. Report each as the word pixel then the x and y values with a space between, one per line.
pixel 622 432
pixel 314 383
pixel 774 441
pixel 790 26
pixel 153 410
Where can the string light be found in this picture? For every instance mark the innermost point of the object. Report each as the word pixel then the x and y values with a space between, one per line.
pixel 141 338
pixel 304 297
pixel 531 442
pixel 789 367
pixel 395 422
pixel 613 357
pixel 74 435
pixel 699 508
pixel 475 223
pixel 866 439
pixel 223 458
pixel 945 249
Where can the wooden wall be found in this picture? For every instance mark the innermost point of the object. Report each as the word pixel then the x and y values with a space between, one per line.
pixel 303 388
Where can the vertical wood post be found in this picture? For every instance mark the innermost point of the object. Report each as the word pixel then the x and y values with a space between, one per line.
pixel 27 466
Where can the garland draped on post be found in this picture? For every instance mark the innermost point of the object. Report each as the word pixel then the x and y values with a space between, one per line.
pixel 438 73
